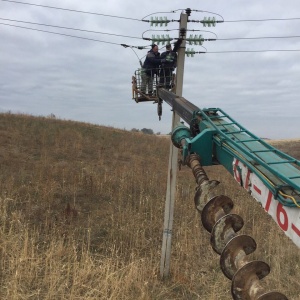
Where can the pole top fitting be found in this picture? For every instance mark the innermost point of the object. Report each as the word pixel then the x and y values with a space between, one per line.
pixel 188 11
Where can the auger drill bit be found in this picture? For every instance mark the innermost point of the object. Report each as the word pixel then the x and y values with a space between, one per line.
pixel 223 227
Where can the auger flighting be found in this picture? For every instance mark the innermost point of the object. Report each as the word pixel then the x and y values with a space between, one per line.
pixel 223 226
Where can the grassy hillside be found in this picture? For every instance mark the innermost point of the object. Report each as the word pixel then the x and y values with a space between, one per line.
pixel 81 217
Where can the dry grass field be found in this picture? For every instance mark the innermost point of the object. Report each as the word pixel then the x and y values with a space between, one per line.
pixel 81 217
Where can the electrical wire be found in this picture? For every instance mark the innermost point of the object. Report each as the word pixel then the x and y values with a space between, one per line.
pixel 209 13
pixel 155 30
pixel 159 12
pixel 259 38
pixel 139 59
pixel 202 11
pixel 74 36
pixel 194 30
pixel 167 30
pixel 144 47
pixel 71 28
pixel 71 10
pixel 245 51
pixel 141 20
pixel 262 20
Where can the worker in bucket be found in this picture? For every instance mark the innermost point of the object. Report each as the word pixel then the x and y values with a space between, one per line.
pixel 150 70
pixel 168 65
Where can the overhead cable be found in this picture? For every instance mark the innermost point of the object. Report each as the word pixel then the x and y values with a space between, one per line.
pixel 135 19
pixel 72 10
pixel 70 28
pixel 245 51
pixel 74 36
pixel 260 38
pixel 143 38
pixel 263 20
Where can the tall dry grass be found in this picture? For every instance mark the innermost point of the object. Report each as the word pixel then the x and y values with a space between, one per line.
pixel 81 217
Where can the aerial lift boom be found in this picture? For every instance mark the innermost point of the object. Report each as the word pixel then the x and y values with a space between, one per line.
pixel 212 137
pixel 271 176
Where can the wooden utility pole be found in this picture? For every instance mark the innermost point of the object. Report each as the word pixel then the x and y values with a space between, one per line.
pixel 173 161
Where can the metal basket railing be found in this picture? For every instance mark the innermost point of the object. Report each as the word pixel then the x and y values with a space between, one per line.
pixel 147 81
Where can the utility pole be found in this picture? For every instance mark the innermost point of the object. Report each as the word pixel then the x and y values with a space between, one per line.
pixel 173 160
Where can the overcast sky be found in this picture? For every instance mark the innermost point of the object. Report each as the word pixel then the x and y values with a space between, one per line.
pixel 89 81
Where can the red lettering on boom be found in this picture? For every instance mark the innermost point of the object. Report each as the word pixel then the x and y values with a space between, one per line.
pixel 257 189
pixel 280 210
pixel 296 229
pixel 268 203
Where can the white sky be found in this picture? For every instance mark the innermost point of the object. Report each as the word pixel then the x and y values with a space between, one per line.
pixel 82 80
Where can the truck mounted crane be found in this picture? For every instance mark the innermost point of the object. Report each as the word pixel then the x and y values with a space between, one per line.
pixel 208 137
pixel 212 137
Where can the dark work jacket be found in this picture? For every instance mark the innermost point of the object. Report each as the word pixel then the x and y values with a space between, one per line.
pixel 152 62
pixel 171 64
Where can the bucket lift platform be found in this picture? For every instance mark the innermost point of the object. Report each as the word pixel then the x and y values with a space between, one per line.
pixel 139 96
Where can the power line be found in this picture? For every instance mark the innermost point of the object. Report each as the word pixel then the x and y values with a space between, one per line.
pixel 70 28
pixel 262 20
pixel 245 51
pixel 72 10
pixel 141 20
pixel 74 36
pixel 144 47
pixel 254 20
pixel 260 38
pixel 142 38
